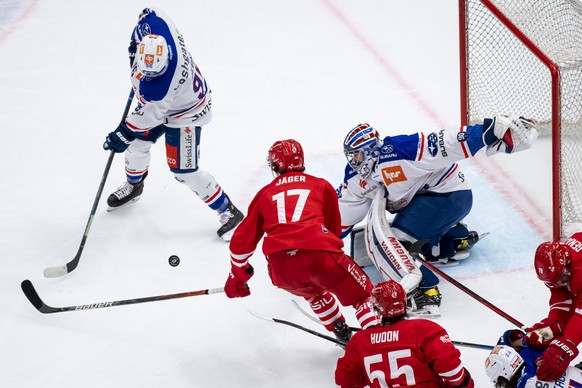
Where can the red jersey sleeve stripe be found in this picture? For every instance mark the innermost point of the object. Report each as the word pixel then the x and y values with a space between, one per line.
pixel 463 145
pixel 421 147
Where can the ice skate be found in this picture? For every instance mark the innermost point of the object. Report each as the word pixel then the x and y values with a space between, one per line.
pixel 425 303
pixel 125 195
pixel 342 332
pixel 230 218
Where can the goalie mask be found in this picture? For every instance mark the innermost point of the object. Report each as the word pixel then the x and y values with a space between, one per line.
pixel 360 148
pixel 503 362
pixel 551 262
pixel 285 156
pixel 152 55
pixel 388 299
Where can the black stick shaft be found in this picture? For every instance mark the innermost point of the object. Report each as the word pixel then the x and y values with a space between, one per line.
pixel 71 265
pixel 37 302
pixel 469 292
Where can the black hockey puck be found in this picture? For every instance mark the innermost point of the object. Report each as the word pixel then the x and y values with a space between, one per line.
pixel 174 260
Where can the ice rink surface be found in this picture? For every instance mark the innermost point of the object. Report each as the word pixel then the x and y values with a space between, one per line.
pixel 306 69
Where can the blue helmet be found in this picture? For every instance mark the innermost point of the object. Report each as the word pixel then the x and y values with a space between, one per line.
pixel 360 148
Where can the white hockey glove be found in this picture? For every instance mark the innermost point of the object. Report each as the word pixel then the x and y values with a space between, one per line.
pixel 508 134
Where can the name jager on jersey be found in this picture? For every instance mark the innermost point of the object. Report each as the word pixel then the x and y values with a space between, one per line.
pixel 290 179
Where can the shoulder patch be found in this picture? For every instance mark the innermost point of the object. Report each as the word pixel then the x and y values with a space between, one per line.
pixel 462 136
pixel 432 141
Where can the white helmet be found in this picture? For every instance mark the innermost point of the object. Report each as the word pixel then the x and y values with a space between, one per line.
pixel 152 55
pixel 503 361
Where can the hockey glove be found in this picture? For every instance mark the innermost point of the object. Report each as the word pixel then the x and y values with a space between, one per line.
pixel 236 288
pixel 244 273
pixel 119 139
pixel 132 49
pixel 505 134
pixel 541 334
pixel 553 362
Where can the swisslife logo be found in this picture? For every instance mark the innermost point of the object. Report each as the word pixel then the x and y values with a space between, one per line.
pixel 393 174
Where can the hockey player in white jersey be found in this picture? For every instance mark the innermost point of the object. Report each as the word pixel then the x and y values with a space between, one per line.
pixel 173 100
pixel 417 179
pixel 513 364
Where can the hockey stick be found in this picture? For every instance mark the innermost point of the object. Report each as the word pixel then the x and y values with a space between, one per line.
pixel 33 297
pixel 303 328
pixel 53 272
pixel 457 343
pixel 415 252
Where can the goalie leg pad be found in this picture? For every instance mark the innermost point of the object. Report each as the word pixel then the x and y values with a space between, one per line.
pixel 384 249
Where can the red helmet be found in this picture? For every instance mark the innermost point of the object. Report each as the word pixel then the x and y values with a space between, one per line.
pixel 389 299
pixel 551 262
pixel 285 156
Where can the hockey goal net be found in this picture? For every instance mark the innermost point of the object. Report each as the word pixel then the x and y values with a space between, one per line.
pixel 524 57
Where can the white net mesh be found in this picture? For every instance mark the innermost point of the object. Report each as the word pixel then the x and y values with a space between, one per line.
pixel 504 76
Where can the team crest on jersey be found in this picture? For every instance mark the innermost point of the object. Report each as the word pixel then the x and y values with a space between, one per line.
pixel 145 29
pixel 462 136
pixel 393 174
pixel 432 140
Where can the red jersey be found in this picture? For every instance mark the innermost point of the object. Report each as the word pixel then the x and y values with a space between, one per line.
pixel 566 302
pixel 295 210
pixel 408 353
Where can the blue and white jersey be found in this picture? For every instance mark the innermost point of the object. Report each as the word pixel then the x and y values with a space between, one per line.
pixel 408 165
pixel 572 378
pixel 180 96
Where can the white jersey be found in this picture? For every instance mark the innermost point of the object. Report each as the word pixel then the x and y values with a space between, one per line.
pixel 571 379
pixel 408 165
pixel 180 96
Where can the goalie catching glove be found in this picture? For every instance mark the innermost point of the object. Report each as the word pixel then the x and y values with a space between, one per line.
pixel 236 284
pixel 508 134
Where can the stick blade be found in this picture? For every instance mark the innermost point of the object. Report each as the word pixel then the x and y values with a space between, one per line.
pixel 31 294
pixel 55 272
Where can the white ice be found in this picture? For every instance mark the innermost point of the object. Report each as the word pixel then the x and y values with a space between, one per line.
pixel 303 69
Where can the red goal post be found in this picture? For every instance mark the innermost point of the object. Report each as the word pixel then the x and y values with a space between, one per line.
pixel 525 57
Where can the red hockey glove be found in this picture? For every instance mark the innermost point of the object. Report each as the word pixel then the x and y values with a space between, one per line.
pixel 553 362
pixel 541 334
pixel 244 273
pixel 236 288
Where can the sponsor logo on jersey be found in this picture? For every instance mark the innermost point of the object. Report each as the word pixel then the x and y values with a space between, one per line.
pixel 172 156
pixel 432 144
pixel 359 276
pixel 363 184
pixel 188 148
pixel 446 339
pixel 393 174
pixel 186 66
pixel 322 303
pixel 462 136
pixel 442 143
pixel 387 149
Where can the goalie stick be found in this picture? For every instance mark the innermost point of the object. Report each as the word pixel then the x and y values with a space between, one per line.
pixel 53 272
pixel 33 297
pixel 457 343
